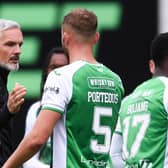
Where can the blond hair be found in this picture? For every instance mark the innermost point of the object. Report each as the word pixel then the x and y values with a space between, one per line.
pixel 81 21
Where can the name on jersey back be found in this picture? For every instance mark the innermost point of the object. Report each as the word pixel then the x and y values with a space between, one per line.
pixel 102 96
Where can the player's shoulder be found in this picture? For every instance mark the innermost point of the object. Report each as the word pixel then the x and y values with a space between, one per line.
pixel 126 98
pixel 68 69
pixel 112 73
pixel 164 79
pixel 157 80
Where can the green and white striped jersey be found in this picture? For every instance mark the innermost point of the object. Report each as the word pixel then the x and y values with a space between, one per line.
pixel 88 96
pixel 144 125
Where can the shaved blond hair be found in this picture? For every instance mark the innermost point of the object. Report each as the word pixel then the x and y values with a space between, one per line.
pixel 81 21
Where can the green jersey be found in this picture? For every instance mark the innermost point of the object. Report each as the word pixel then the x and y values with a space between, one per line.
pixel 144 125
pixel 88 96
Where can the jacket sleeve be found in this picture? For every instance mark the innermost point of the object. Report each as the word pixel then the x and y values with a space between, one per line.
pixel 5 115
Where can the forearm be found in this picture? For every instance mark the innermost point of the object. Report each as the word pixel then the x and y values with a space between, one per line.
pixel 34 162
pixel 34 140
pixel 25 151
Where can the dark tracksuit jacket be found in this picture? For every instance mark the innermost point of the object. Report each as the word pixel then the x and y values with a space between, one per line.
pixel 5 120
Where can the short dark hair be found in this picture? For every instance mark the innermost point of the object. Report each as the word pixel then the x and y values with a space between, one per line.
pixel 159 48
pixel 57 50
pixel 54 50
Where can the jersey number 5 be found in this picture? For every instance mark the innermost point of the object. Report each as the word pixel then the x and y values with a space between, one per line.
pixel 101 130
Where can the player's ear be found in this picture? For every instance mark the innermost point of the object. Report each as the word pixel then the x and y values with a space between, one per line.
pixel 65 38
pixel 96 37
pixel 152 66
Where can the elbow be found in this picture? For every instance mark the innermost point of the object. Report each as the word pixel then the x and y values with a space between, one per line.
pixel 35 141
pixel 36 144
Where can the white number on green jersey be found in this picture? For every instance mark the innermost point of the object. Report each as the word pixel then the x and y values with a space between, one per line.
pixel 143 120
pixel 101 130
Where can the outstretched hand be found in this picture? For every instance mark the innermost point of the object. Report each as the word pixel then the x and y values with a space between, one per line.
pixel 16 98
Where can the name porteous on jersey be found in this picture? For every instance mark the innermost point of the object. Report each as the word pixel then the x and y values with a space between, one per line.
pixel 101 97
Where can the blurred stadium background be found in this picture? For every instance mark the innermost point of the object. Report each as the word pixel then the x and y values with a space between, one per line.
pixel 126 26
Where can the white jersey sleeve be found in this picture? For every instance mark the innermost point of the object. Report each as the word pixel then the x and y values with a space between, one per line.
pixel 116 148
pixel 56 92
pixel 31 116
pixel 35 163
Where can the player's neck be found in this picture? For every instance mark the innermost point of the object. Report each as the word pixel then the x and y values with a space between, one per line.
pixel 84 54
pixel 88 57
pixel 91 61
pixel 159 72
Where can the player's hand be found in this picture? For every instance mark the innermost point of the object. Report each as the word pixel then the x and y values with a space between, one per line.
pixel 16 98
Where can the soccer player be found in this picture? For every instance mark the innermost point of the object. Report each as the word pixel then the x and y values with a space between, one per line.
pixel 42 159
pixel 144 115
pixel 80 101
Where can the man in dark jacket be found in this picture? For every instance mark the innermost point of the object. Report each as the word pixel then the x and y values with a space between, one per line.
pixel 11 39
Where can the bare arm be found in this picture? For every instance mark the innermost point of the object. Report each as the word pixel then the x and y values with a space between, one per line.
pixel 34 140
pixel 31 117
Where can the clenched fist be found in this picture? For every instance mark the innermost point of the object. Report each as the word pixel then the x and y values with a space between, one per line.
pixel 16 98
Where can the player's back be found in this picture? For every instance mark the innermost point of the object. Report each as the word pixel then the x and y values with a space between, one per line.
pixel 91 114
pixel 144 124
